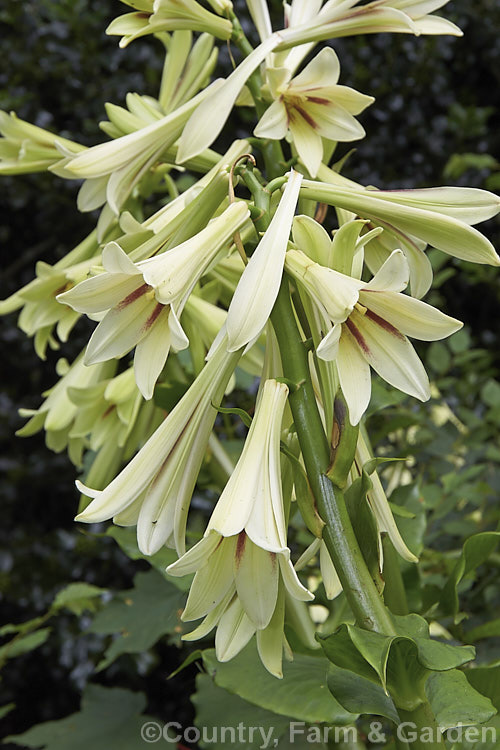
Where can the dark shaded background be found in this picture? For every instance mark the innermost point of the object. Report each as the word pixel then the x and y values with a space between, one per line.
pixel 435 97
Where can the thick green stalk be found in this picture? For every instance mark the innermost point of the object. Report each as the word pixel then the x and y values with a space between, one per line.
pixel 338 534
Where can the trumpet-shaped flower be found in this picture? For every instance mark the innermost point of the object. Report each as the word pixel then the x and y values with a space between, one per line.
pixel 312 106
pixel 258 287
pixel 114 168
pixel 441 217
pixel 154 490
pixel 243 556
pixel 348 17
pixel 215 110
pixel 143 301
pixel 374 332
pixel 58 412
pixel 167 15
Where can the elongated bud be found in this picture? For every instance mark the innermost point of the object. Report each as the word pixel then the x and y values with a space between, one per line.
pixel 343 444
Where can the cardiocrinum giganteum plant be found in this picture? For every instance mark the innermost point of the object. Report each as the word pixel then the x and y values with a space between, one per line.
pixel 260 258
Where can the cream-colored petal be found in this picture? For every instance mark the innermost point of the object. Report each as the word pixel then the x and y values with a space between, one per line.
pixel 233 631
pixel 196 557
pixel 151 353
pixel 122 328
pixel 328 349
pixel 211 582
pixel 209 118
pixel 393 276
pixel 259 284
pixel 323 70
pixel 307 141
pixel 256 574
pixel 390 354
pixel 291 579
pixel 354 376
pixel 100 292
pixel 411 316
pixel 273 123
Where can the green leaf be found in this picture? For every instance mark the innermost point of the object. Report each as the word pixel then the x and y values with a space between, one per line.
pixel 476 550
pixel 141 616
pixel 490 393
pixel 302 693
pixel 77 597
pixel 454 702
pixel 487 630
pixel 486 680
pixel 23 643
pixel 360 695
pixel 110 719
pixel 216 709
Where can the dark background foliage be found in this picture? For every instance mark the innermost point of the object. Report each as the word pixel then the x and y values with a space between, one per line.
pixel 435 97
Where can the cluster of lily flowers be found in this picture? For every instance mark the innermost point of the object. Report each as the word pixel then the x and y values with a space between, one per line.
pixel 175 281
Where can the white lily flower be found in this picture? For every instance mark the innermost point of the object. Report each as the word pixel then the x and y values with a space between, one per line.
pixel 154 490
pixel 375 334
pixel 338 19
pixel 312 106
pixel 122 162
pixel 243 551
pixel 209 118
pixel 143 301
pixel 440 217
pixel 259 284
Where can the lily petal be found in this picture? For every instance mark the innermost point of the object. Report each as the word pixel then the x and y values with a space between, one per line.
pixel 354 376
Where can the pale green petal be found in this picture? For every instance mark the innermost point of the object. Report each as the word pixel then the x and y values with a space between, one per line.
pixel 151 354
pixel 196 557
pixel 328 349
pixel 291 579
pixel 122 328
pixel 323 70
pixel 256 576
pixel 207 121
pixel 233 632
pixel 353 101
pixel 260 16
pixel 390 354
pixel 354 376
pixel 393 276
pixel 331 581
pixel 312 239
pixel 115 260
pixel 436 25
pixel 307 142
pixel 470 205
pixel 211 582
pixel 179 339
pixel 334 122
pixel 258 287
pixel 270 640
pixel 439 230
pixel 411 316
pixel 210 620
pixel 273 123
pixel 100 292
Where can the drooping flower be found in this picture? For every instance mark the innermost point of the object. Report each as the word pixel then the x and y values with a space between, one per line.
pixel 143 301
pixel 312 106
pixel 374 332
pixel 154 490
pixel 242 563
pixel 258 287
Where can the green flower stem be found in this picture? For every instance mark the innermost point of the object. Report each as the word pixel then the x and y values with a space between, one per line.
pixel 360 591
pixel 363 597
